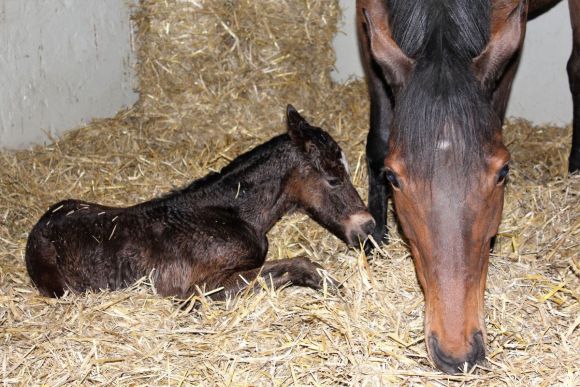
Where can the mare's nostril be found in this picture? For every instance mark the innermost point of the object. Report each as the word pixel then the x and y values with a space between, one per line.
pixel 452 365
pixel 477 353
pixel 444 362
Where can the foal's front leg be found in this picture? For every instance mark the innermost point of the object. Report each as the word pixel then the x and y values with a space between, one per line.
pixel 299 271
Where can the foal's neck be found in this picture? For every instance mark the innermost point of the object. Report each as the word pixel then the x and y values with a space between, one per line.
pixel 254 185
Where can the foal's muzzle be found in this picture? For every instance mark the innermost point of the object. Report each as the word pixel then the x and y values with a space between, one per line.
pixel 358 226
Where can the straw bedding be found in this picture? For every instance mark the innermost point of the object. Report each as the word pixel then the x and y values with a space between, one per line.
pixel 215 78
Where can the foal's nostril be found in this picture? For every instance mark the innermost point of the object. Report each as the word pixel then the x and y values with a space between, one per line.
pixel 454 365
pixel 355 238
pixel 368 227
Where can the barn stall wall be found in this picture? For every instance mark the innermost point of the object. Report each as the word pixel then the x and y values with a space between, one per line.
pixel 63 63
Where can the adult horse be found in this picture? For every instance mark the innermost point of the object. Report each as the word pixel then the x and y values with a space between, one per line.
pixel 439 74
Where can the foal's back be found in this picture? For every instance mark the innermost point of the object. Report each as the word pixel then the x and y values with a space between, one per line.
pixel 110 247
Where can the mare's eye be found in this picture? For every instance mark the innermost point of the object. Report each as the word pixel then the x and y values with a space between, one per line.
pixel 392 178
pixel 333 182
pixel 503 173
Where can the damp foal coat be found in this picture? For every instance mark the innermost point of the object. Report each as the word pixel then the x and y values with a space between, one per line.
pixel 212 234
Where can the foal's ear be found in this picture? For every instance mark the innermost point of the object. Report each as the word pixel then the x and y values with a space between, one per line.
pixel 296 127
pixel 396 65
pixel 296 124
pixel 508 29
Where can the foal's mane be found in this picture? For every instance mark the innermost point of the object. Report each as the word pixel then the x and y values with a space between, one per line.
pixel 442 100
pixel 249 159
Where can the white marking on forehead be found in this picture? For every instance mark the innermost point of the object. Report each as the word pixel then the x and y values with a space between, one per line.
pixel 344 162
pixel 444 145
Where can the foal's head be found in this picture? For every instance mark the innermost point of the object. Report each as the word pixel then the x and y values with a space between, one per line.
pixel 321 185
pixel 446 162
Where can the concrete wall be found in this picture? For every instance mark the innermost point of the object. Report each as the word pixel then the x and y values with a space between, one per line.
pixel 63 63
pixel 540 92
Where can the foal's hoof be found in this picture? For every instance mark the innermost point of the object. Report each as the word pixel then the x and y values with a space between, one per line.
pixel 313 275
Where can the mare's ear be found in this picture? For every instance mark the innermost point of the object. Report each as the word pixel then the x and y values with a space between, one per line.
pixel 395 64
pixel 508 29
pixel 296 125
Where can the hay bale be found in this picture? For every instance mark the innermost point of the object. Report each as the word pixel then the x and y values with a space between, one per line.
pixel 217 67
pixel 215 78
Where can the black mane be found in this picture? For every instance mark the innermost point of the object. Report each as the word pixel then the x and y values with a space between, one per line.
pixel 250 159
pixel 442 100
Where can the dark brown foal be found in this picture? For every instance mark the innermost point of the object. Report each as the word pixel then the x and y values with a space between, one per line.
pixel 211 234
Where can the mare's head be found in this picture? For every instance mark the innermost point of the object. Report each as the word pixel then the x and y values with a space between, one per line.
pixel 320 184
pixel 446 162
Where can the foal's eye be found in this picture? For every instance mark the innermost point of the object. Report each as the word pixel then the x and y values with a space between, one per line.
pixel 503 173
pixel 392 178
pixel 333 182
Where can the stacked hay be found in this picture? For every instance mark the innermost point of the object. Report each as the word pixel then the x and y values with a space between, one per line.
pixel 218 67
pixel 215 78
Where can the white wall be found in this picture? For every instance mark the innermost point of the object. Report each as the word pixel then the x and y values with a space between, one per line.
pixel 63 63
pixel 540 92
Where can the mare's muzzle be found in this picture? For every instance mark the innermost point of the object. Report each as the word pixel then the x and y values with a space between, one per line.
pixel 452 365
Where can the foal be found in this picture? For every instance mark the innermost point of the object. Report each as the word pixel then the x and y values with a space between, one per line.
pixel 210 234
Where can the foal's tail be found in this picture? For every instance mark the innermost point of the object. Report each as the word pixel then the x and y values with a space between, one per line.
pixel 41 256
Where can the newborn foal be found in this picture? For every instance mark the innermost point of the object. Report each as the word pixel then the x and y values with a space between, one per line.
pixel 210 234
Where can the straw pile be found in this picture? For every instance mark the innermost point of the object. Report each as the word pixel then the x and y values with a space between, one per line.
pixel 215 77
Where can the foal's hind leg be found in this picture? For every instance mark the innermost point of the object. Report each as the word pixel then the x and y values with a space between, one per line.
pixel 574 78
pixel 299 271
